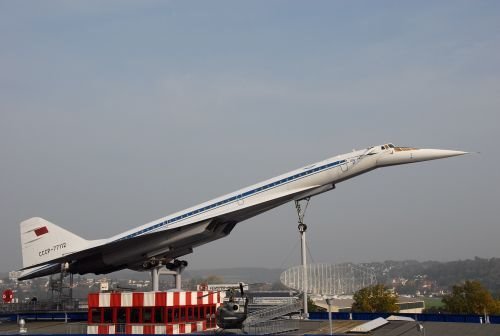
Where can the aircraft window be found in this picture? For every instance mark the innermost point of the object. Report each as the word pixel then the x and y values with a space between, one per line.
pixel 391 146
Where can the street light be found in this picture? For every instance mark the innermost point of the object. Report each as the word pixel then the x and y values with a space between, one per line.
pixel 329 303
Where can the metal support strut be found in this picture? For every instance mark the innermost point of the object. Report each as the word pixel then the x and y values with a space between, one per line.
pixel 155 278
pixel 301 212
pixel 174 268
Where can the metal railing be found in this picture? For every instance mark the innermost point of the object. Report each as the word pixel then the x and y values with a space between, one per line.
pixel 40 306
pixel 267 314
pixel 273 327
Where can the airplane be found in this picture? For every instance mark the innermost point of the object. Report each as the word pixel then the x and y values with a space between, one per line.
pixel 49 249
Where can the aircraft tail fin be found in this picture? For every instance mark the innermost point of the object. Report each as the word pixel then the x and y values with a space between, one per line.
pixel 42 241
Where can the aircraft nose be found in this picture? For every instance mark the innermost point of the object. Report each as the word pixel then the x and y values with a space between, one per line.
pixel 434 154
pixel 402 155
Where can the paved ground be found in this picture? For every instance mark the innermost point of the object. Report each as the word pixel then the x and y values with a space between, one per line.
pixel 394 328
pixel 49 327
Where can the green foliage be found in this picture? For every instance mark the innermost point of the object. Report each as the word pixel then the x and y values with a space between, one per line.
pixel 376 298
pixel 311 307
pixel 471 298
pixel 214 279
pixel 445 274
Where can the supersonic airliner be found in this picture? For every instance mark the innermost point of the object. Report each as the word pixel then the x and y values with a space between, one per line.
pixel 48 248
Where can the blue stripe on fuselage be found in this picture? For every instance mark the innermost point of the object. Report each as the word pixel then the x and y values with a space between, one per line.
pixel 239 197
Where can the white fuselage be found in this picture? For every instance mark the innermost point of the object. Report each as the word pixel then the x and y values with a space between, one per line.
pixel 170 237
pixel 298 182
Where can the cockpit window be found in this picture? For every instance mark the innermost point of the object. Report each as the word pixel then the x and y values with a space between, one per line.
pixel 391 145
pixel 403 149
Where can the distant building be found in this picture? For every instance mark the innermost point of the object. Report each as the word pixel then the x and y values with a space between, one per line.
pixel 14 275
pixel 221 287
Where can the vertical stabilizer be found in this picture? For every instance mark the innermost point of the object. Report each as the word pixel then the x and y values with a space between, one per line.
pixel 42 241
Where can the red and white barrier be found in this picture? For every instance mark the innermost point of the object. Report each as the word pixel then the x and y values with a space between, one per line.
pixel 153 299
pixel 150 329
pixel 173 301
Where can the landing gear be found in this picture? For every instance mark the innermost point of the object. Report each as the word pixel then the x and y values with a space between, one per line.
pixel 301 212
pixel 158 267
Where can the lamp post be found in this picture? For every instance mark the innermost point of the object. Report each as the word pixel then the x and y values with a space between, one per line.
pixel 329 303
pixel 302 230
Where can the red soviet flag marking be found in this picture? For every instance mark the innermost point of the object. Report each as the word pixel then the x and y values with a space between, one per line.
pixel 41 231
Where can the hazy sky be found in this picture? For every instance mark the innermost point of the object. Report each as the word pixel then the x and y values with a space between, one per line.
pixel 116 113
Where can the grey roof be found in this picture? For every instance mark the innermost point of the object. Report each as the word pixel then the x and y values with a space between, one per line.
pixel 401 328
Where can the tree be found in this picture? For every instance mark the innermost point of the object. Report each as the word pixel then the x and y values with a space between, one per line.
pixel 471 298
pixel 312 307
pixel 376 298
pixel 214 279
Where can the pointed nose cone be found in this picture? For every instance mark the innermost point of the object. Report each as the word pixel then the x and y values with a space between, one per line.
pixel 434 154
pixel 402 156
